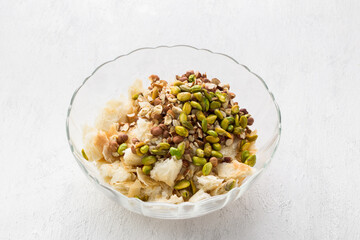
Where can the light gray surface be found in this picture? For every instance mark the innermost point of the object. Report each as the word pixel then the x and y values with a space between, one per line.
pixel 307 51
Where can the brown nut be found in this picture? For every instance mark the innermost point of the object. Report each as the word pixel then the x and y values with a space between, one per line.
pixel 227 159
pixel 122 137
pixel 156 131
pixel 113 146
pixel 250 121
pixel 214 161
pixel 166 134
pixel 154 78
pixel 135 140
pixel 178 139
pixel 133 149
pixel 157 101
pixel 243 110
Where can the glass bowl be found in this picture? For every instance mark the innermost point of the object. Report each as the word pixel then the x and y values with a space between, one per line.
pixel 115 77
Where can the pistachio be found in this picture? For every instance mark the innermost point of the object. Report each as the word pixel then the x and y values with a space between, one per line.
pixel 214 161
pixel 220 96
pixel 211 118
pixel 122 148
pixel 175 152
pixel 207 150
pixel 218 114
pixel 181 131
pixel 238 130
pixel 181 148
pixel 207 95
pixel 212 133
pixel 196 88
pixel 84 154
pixel 198 161
pixel 184 96
pixel 185 194
pixel 144 149
pixel 178 83
pixel 235 109
pixel 182 184
pixel 163 146
pixel 216 146
pixel 175 90
pixel 155 93
pixel 200 115
pixel 245 146
pixel 200 152
pixel 206 170
pixel 251 138
pixel 159 151
pixel 188 125
pixel 204 125
pixel 230 185
pixel 183 116
pixel 231 120
pixel 230 128
pixel 187 108
pixel 206 104
pixel 215 105
pixel 146 169
pixel 237 120
pixel 191 78
pixel 196 105
pixel 135 96
pixel 198 96
pixel 251 161
pixel 193 188
pixel 148 160
pixel 244 155
pixel 212 139
pixel 216 154
pixel 185 88
pixel 243 121
pixel 224 123
pixel 222 132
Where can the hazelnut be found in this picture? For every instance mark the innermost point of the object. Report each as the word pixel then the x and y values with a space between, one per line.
pixel 156 131
pixel 122 138
pixel 113 146
pixel 214 161
pixel 250 121
pixel 178 139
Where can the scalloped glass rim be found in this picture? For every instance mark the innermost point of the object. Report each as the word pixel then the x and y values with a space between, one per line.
pixel 79 158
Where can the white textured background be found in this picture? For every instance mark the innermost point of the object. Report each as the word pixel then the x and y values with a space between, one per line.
pixel 307 51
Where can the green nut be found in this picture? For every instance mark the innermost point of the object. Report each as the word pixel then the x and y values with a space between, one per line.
pixel 223 132
pixel 148 160
pixel 216 154
pixel 218 114
pixel 144 149
pixel 146 169
pixel 244 155
pixel 230 185
pixel 191 78
pixel 181 147
pixel 135 96
pixel 215 105
pixel 212 133
pixel 235 109
pixel 185 194
pixel 216 146
pixel 251 161
pixel 199 161
pixel 184 96
pixel 187 108
pixel 243 121
pixel 238 130
pixel 206 104
pixel 245 146
pixel 192 186
pixel 185 88
pixel 159 151
pixel 200 115
pixel 163 146
pixel 206 170
pixel 207 95
pixel 180 130
pixel 252 138
pixel 211 119
pixel 231 120
pixel 198 96
pixel 230 128
pixel 224 123
pixel 175 90
pixel 183 117
pixel 212 139
pixel 182 184
pixel 122 148
pixel 237 118
pixel 200 152
pixel 196 88
pixel 196 105
pixel 204 125
pixel 175 152
pixel 178 83
pixel 187 124
pixel 84 154
pixel 220 96
pixel 207 150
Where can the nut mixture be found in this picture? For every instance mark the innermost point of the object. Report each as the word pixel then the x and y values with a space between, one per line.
pixel 200 139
